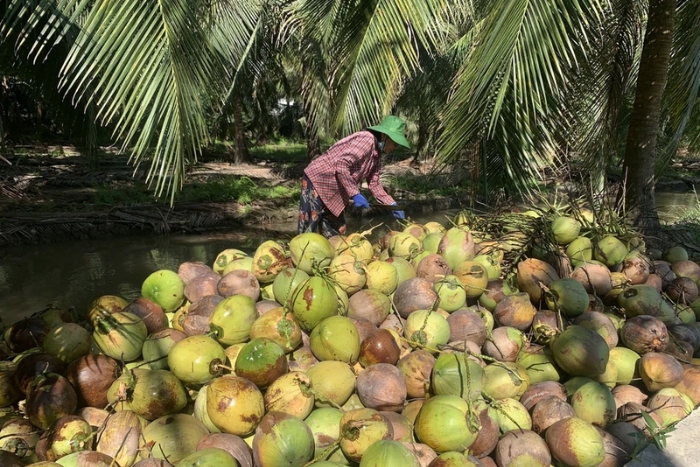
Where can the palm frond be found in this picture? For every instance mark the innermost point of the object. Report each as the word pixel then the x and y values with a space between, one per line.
pixel 148 67
pixel 603 87
pixel 510 89
pixel 683 87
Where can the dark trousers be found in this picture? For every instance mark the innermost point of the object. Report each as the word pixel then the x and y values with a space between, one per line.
pixel 314 216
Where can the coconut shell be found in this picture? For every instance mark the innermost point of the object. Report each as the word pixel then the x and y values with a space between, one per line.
pixel 644 334
pixel 540 391
pixel 467 325
pixel 151 313
pixel 532 275
pixel 487 439
pixel 239 282
pixel 433 268
pixel 523 446
pixel 594 277
pixel 414 294
pixel 616 452
pixel 659 370
pixel 548 411
pixel 233 444
pixel 516 311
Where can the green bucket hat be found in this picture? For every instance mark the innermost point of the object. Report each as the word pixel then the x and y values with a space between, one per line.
pixel 393 127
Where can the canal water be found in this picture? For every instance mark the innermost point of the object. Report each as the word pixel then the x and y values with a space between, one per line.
pixel 72 274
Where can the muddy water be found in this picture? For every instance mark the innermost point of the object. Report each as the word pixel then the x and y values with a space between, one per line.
pixel 72 274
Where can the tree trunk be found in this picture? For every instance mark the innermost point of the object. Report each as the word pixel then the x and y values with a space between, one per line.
pixel 313 144
pixel 640 151
pixel 240 152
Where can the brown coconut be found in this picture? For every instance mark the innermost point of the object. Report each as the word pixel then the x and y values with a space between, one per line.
pixel 682 290
pixel 487 438
pixel 636 269
pixel 522 444
pixel 516 311
pixel 191 269
pixel 542 390
pixel 433 268
pixel 416 368
pixel 686 268
pixel 595 278
pixel 382 387
pixel 655 281
pixel 232 444
pixel 151 313
pixel 625 393
pixel 548 411
pixel 239 282
pixel 644 334
pixel 659 370
pixel 664 271
pixel 369 304
pixel 467 325
pixel 202 285
pixel 631 413
pixel 532 275
pixel 546 325
pixel 414 294
pixel 505 344
pixel 616 451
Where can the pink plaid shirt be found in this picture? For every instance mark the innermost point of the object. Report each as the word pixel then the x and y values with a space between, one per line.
pixel 338 172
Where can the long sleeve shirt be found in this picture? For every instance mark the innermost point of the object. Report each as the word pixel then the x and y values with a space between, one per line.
pixel 338 172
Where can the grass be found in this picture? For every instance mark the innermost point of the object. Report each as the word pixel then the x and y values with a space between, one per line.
pixel 426 185
pixel 240 189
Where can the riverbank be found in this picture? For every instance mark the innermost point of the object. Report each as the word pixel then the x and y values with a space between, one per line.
pixel 50 194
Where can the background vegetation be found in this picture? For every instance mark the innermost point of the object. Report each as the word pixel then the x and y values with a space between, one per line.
pixel 515 91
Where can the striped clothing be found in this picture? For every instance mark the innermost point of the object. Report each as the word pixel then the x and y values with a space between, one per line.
pixel 337 174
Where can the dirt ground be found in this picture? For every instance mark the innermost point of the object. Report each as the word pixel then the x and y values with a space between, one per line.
pixel 49 194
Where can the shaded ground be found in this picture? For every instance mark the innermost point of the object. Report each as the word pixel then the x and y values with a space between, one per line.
pixel 52 194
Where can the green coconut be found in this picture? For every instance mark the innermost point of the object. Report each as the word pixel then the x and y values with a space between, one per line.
pixel 431 242
pixel 209 457
pixel 282 440
pixel 505 379
pixel 269 259
pixel 451 293
pixel 644 299
pixel 594 403
pixel 314 300
pixel 404 245
pixel 336 338
pixel 626 361
pixel 173 437
pixel 443 423
pixel 610 251
pixel 540 366
pixel 324 424
pixel 225 257
pixel 311 251
pixel 286 281
pixel 512 415
pixel 428 329
pixel 382 276
pixel 568 296
pixel 675 253
pixel 389 453
pixel 473 277
pixel 233 318
pixel 580 351
pixel 575 442
pixel 456 246
pixel 404 269
pixel 580 250
pixel 195 359
pixel 360 429
pixel 244 264
pixel 454 374
pixel 261 361
pixel 565 229
pixel 164 288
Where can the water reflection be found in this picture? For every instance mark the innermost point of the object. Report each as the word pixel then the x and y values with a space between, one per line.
pixel 75 273
pixel 72 274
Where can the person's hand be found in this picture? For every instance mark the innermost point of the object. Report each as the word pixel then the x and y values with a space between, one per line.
pixel 398 214
pixel 360 201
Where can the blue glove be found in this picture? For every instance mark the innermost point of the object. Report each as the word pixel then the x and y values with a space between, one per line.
pixel 360 201
pixel 398 214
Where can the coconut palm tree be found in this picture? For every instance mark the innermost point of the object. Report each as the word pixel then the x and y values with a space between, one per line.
pixel 547 79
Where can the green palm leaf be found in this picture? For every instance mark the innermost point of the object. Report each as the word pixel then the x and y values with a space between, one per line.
pixel 511 88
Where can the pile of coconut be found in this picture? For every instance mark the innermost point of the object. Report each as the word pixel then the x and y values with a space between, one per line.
pixel 568 344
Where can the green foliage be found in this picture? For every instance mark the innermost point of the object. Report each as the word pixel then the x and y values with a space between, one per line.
pixel 281 151
pixel 238 189
pixel 430 185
